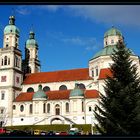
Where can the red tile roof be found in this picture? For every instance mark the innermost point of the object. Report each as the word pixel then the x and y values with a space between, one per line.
pixel 57 76
pixel 104 73
pixel 55 95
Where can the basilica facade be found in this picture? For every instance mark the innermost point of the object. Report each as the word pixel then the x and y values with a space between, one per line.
pixel 31 97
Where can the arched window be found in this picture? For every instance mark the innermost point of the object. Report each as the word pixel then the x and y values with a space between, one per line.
pixel 16 61
pixel 67 107
pixel 57 109
pixel 44 108
pixel 2 62
pixel 62 87
pixel 82 106
pixel 28 69
pixel 46 88
pixel 96 71
pixel 31 108
pixel 48 108
pixel 89 108
pixel 5 60
pixel 8 61
pixel 30 89
pixel 82 86
pixel 2 96
pixel 92 73
pixel 21 108
pixel 14 107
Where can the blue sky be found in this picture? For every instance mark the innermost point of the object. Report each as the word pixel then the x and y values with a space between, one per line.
pixel 69 35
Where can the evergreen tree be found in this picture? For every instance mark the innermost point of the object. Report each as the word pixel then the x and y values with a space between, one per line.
pixel 119 110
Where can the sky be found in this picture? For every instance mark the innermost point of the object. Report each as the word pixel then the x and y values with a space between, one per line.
pixel 69 35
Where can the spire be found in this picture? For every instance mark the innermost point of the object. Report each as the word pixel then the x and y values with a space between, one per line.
pixel 32 34
pixel 12 20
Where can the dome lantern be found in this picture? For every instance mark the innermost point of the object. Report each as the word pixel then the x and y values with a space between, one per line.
pixel 11 20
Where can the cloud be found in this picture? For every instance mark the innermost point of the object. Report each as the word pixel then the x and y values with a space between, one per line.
pixel 23 10
pixel 113 14
pixel 89 43
pixel 108 14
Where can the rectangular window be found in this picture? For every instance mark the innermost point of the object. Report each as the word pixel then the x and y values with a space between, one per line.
pixel 3 78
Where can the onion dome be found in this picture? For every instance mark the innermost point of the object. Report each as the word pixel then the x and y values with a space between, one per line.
pixel 76 91
pixel 11 28
pixel 40 94
pixel 108 51
pixel 31 42
pixel 112 32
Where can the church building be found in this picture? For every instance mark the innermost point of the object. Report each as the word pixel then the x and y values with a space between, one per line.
pixel 31 97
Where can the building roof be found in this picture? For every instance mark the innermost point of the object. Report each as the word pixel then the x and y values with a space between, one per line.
pixel 57 76
pixel 112 32
pixel 11 28
pixel 104 73
pixel 76 91
pixel 40 93
pixel 55 95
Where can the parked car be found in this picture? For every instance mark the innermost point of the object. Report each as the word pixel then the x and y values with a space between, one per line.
pixel 37 132
pixel 18 133
pixel 74 131
pixel 2 130
pixel 57 133
pixel 43 133
pixel 50 133
pixel 63 133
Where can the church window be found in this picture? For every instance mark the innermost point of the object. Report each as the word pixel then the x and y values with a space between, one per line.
pixel 106 42
pixel 31 109
pixel 2 62
pixel 8 61
pixel 14 107
pixel 6 45
pixel 44 108
pixel 16 45
pixel 30 89
pixel 82 86
pixel 92 73
pixel 46 88
pixel 89 108
pixel 5 60
pixel 96 71
pixel 2 111
pixel 10 30
pixel 62 87
pixel 57 110
pixel 7 38
pixel 48 108
pixel 22 119
pixel 67 107
pixel 21 108
pixel 95 108
pixel 82 106
pixel 2 96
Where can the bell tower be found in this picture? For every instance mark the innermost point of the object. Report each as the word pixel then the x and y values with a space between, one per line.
pixel 32 62
pixel 11 75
